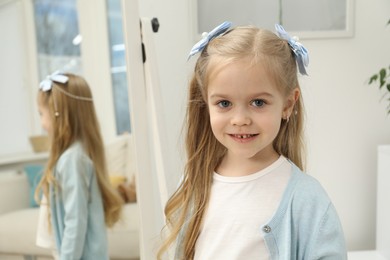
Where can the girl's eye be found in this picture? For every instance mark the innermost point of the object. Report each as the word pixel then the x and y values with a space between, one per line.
pixel 224 103
pixel 258 103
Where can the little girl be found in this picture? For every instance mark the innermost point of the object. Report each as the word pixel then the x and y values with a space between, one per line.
pixel 243 194
pixel 78 200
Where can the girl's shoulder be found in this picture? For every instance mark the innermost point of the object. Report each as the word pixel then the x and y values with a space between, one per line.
pixel 73 157
pixel 74 151
pixel 304 200
pixel 306 189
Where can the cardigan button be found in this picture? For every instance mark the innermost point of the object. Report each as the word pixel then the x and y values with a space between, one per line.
pixel 267 229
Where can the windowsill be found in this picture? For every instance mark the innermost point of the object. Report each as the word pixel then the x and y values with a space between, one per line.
pixel 23 158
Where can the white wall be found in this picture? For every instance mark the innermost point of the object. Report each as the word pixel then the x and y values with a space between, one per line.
pixel 14 92
pixel 345 118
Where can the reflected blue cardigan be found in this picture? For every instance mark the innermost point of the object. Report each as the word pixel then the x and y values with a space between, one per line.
pixel 305 226
pixel 77 213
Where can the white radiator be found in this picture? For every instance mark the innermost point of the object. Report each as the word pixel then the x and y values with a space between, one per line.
pixel 382 251
pixel 383 202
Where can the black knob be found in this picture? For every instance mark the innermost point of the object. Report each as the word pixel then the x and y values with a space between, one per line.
pixel 155 24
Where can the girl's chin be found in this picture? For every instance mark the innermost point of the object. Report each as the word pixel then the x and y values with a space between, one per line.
pixel 244 155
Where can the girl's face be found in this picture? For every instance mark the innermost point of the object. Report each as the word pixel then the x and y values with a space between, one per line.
pixel 246 109
pixel 45 117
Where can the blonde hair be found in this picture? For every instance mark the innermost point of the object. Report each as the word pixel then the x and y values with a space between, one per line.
pixel 74 119
pixel 186 207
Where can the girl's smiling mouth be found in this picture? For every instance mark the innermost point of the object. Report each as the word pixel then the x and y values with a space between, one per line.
pixel 242 138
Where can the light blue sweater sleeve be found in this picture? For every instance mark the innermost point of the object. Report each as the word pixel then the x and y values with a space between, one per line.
pixel 74 171
pixel 77 208
pixel 328 242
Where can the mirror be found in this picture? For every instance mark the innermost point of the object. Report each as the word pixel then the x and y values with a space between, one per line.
pixel 42 36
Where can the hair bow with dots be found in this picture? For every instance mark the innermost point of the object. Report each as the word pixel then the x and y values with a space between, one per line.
pixel 47 83
pixel 207 37
pixel 300 52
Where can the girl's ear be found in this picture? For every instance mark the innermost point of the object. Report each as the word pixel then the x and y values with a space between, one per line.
pixel 290 102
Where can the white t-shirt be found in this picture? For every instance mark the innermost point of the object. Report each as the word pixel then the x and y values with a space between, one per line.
pixel 45 238
pixel 238 209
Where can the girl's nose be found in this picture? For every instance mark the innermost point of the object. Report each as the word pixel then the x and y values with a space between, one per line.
pixel 240 117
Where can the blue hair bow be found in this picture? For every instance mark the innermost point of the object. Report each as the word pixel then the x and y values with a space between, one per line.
pixel 47 83
pixel 207 37
pixel 300 52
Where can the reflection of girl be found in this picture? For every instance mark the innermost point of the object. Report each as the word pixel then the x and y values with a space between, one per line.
pixel 75 182
pixel 243 195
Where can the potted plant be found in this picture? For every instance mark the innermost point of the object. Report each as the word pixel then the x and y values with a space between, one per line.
pixel 382 79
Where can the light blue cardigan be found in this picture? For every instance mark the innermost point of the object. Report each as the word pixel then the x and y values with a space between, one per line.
pixel 77 213
pixel 304 227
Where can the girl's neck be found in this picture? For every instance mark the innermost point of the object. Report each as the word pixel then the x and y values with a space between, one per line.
pixel 236 166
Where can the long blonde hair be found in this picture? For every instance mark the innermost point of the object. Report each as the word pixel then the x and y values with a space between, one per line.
pixel 75 120
pixel 185 209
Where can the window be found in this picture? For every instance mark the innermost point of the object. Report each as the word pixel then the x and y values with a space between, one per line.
pixel 118 66
pixel 58 38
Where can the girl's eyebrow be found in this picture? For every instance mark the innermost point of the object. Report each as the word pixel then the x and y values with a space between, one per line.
pixel 217 95
pixel 260 94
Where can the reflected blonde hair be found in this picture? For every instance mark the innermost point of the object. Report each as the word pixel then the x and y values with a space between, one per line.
pixel 77 121
pixel 185 209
